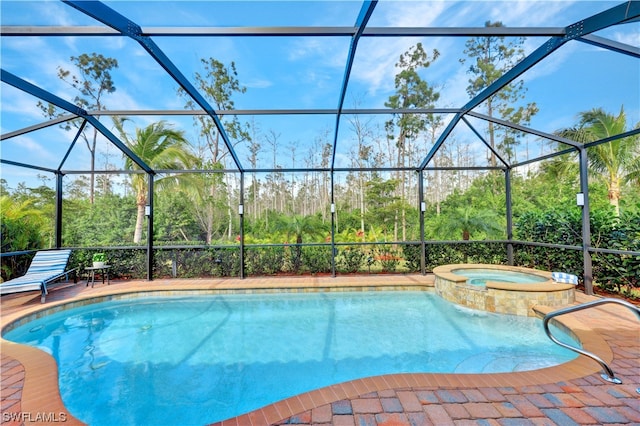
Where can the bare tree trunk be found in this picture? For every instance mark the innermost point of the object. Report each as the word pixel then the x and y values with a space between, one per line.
pixel 141 202
pixel 272 140
pixel 362 205
pixel 361 156
pixel 255 196
pixel 614 195
pixel 92 181
pixel 437 187
pixel 395 225
pixel 209 226
pixel 230 225
pixel 401 153
pixel 492 138
pixel 229 212
pixel 293 180
pixel 91 146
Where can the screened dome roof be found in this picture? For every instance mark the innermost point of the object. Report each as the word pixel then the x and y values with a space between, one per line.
pixel 309 69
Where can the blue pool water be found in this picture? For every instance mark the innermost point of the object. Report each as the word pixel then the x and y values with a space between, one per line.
pixel 478 276
pixel 196 360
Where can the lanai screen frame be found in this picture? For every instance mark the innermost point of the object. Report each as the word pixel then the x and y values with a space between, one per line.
pixel 118 25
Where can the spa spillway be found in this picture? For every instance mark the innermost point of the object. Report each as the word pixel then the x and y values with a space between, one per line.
pixel 499 288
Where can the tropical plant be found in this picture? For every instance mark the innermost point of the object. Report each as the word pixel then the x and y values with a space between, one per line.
pixel 297 226
pixel 161 148
pixel 22 225
pixel 617 161
pixel 467 221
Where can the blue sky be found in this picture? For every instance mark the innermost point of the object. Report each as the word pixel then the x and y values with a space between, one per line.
pixel 300 72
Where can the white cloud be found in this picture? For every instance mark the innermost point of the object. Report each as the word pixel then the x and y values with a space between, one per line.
pixel 343 160
pixel 413 14
pixel 632 38
pixel 258 83
pixel 454 94
pixel 528 13
pixel 122 100
pixel 30 151
pixel 375 62
pixel 141 82
pixel 549 65
pixel 56 13
pixel 376 57
pixel 15 101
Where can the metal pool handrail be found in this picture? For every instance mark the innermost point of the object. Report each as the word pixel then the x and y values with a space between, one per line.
pixel 608 374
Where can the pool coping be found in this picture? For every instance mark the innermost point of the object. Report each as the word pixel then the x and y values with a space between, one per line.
pixel 41 394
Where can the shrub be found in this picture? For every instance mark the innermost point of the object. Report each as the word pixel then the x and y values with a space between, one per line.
pixel 615 272
pixel 441 254
pixel 490 253
pixel 388 258
pixel 264 261
pixel 612 272
pixel 226 262
pixel 351 259
pixel 412 254
pixel 317 259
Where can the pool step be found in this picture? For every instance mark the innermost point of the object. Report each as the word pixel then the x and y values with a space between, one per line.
pixel 497 362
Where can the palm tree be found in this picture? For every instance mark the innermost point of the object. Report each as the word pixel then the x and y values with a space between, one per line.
pixel 161 148
pixel 616 161
pixel 298 226
pixel 469 221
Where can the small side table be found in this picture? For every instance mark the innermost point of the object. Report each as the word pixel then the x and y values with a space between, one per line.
pixel 93 269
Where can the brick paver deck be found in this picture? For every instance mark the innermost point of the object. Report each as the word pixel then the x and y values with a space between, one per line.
pixel 570 394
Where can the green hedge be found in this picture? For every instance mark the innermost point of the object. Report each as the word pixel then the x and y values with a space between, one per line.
pixel 613 272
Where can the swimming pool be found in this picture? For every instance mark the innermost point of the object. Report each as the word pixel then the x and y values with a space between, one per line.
pixel 202 359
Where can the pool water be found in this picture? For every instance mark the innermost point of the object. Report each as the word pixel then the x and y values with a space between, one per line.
pixel 196 360
pixel 481 276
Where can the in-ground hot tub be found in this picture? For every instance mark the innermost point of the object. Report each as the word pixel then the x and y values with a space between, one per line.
pixel 499 288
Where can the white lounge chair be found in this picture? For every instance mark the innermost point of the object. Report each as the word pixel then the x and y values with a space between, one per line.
pixel 46 267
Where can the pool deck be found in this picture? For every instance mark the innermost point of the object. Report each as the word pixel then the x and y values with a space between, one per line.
pixel 569 394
